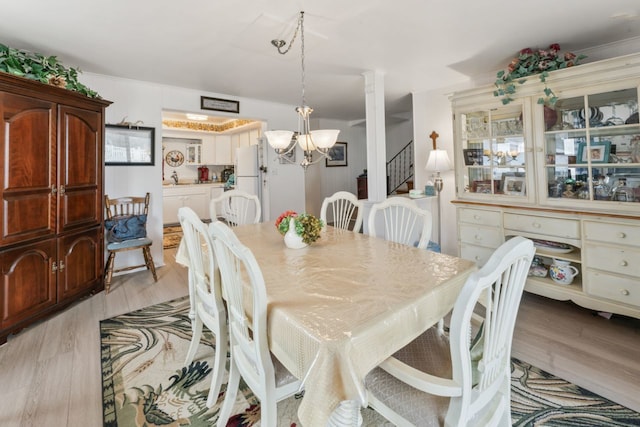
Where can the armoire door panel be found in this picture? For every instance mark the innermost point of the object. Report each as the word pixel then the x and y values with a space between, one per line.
pixel 28 281
pixel 80 168
pixel 80 255
pixel 27 168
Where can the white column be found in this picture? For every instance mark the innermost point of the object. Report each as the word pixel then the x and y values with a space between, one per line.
pixel 376 140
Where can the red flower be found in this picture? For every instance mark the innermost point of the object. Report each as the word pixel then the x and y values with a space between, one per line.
pixel 526 51
pixel 284 215
pixel 568 56
pixel 555 47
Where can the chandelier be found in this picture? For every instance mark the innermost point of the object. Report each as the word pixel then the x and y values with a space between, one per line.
pixel 284 141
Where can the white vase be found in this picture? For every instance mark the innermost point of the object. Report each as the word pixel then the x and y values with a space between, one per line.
pixel 291 239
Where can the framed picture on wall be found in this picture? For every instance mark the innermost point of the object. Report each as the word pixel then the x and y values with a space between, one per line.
pixel 338 155
pixel 129 146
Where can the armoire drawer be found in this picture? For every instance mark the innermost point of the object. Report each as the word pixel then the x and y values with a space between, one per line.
pixel 480 217
pixel 558 227
pixel 611 286
pixel 611 232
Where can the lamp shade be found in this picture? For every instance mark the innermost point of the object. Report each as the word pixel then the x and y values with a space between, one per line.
pixel 325 138
pixel 279 139
pixel 305 142
pixel 438 161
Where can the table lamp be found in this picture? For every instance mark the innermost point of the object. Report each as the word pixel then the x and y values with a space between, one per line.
pixel 438 162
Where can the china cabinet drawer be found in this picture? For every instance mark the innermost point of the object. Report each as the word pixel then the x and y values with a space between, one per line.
pixel 613 287
pixel 480 217
pixel 475 253
pixel 558 227
pixel 623 234
pixel 614 259
pixel 483 236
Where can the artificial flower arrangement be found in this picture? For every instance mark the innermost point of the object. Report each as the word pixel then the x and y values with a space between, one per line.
pixel 529 62
pixel 307 226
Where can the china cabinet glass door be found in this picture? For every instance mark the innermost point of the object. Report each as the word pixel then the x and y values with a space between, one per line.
pixel 592 151
pixel 493 152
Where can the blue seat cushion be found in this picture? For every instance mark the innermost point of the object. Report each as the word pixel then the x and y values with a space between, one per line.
pixel 127 244
pixel 126 227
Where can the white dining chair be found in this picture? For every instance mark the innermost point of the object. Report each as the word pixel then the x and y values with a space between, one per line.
pixel 345 207
pixel 205 296
pixel 236 207
pixel 251 359
pixel 404 222
pixel 457 379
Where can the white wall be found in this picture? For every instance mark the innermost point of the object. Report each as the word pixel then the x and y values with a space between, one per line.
pixel 138 100
pixel 432 112
pixel 398 134
pixel 327 180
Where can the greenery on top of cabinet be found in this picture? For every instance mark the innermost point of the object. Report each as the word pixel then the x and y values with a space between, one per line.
pixel 45 69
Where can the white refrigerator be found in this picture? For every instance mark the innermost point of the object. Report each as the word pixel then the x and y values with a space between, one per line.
pixel 247 171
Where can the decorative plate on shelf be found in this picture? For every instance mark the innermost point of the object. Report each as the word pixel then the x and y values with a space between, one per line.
pixel 549 246
pixel 174 158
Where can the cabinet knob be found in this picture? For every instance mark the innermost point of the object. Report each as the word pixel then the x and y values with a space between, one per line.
pixel 477 237
pixel 477 217
pixel 477 258
pixel 622 235
pixel 624 291
pixel 623 263
pixel 536 225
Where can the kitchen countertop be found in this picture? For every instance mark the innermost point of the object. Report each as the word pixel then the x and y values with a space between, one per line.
pixel 193 184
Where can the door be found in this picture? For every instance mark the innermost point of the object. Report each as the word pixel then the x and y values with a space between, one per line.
pixel 80 173
pixel 27 168
pixel 79 263
pixel 28 281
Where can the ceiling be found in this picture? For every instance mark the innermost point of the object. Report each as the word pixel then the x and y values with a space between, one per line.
pixel 223 46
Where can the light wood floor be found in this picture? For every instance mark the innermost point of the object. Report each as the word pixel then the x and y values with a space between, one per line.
pixel 50 373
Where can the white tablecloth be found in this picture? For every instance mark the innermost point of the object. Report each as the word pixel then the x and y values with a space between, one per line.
pixel 346 303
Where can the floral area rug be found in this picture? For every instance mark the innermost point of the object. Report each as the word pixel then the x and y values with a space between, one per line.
pixel 145 382
pixel 171 237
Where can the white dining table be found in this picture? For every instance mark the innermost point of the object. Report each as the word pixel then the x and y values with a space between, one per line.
pixel 342 305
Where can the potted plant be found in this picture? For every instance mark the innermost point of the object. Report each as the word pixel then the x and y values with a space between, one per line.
pixel 45 69
pixel 304 227
pixel 530 62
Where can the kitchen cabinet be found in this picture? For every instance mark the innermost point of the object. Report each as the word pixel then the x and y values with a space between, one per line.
pixel 196 196
pixel 567 177
pixel 51 217
pixel 193 154
pixel 224 154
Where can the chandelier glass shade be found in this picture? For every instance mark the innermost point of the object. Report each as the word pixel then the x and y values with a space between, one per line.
pixel 310 141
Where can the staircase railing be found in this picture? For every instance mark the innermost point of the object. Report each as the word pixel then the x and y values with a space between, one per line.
pixel 400 168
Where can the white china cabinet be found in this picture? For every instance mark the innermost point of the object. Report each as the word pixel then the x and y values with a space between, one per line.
pixel 567 176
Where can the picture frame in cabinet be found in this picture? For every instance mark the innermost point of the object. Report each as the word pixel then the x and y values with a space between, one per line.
pixel 599 152
pixel 484 186
pixel 514 185
pixel 472 156
pixel 129 145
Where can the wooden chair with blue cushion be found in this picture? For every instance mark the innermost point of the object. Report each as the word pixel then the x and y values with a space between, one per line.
pixel 126 230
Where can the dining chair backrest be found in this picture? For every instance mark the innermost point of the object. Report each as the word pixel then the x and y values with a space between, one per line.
pixel 404 222
pixel 482 364
pixel 344 207
pixel 205 295
pixel 476 366
pixel 250 355
pixel 236 207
